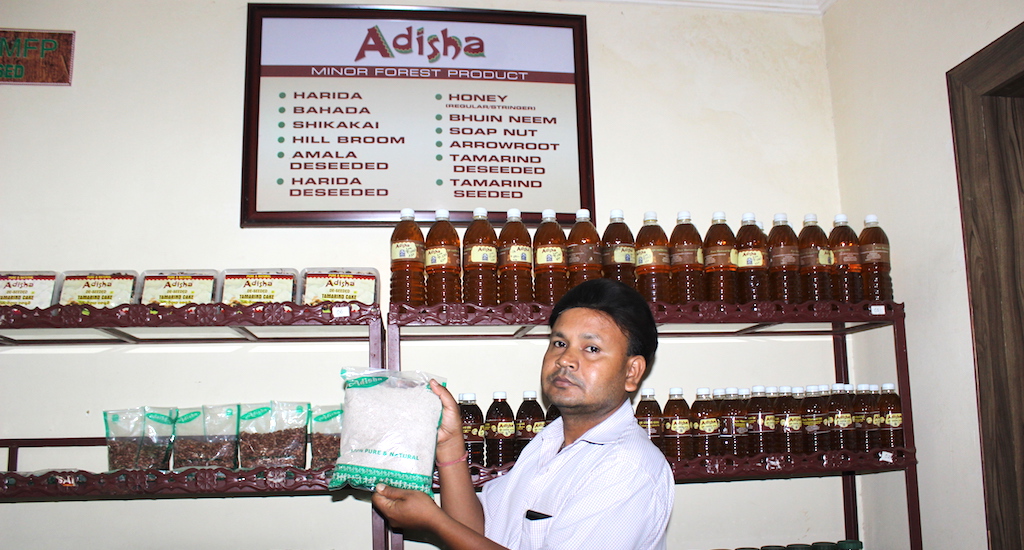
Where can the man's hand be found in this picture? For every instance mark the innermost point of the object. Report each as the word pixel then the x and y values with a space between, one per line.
pixel 450 444
pixel 405 508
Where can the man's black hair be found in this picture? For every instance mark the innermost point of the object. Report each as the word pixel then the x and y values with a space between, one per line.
pixel 624 305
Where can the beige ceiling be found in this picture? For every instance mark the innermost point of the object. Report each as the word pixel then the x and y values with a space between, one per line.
pixel 810 7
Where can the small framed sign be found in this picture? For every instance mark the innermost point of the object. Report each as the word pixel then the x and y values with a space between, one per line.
pixel 353 113
pixel 36 57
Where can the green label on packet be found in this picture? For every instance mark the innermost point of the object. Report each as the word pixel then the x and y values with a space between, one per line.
pixel 255 413
pixel 327 416
pixel 365 381
pixel 184 419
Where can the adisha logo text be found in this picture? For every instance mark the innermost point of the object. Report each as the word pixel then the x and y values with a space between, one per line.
pixel 433 46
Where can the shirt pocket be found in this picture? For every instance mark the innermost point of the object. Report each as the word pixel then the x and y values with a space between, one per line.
pixel 535 531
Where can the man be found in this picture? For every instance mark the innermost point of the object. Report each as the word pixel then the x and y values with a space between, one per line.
pixel 592 478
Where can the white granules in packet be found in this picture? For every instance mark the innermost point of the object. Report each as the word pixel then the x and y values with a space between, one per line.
pixel 390 431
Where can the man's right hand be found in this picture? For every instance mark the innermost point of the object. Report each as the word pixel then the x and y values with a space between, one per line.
pixel 450 443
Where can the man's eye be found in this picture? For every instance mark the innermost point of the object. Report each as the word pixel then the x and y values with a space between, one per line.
pixel 557 343
pixel 593 349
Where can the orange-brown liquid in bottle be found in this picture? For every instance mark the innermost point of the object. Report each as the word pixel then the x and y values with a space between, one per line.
pixel 761 421
pixel 480 261
pixel 874 252
pixel 529 421
pixel 706 423
pixel 686 250
pixel 550 271
pixel 648 415
pixel 472 427
pixel 676 434
pixel 515 260
pixel 585 255
pixel 407 261
pixel 815 413
pixel 499 432
pixel 443 262
pixel 890 428
pixel 653 266
pixel 733 433
pixel 552 414
pixel 720 260
pixel 816 261
pixel 789 431
pixel 619 251
pixel 865 412
pixel 751 262
pixel 847 280
pixel 784 262
pixel 842 431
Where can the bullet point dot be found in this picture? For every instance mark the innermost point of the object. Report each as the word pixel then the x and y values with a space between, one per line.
pixel 280 181
pixel 438 96
pixel 280 140
pixel 439 182
pixel 280 155
pixel 439 157
pixel 438 117
pixel 438 130
pixel 280 109
pixel 281 95
pixel 280 125
pixel 438 143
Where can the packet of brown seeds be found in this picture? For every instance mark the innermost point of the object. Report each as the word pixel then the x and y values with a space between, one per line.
pixel 325 436
pixel 206 436
pixel 272 434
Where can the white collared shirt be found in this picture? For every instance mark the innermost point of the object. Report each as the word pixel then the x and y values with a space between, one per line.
pixel 610 489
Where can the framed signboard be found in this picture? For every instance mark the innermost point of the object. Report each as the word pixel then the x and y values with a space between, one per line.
pixel 353 113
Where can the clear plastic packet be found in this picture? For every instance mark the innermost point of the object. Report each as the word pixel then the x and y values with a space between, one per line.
pixel 31 289
pixel 338 284
pixel 272 434
pixel 390 431
pixel 244 287
pixel 158 432
pixel 206 436
pixel 325 436
pixel 104 289
pixel 178 288
pixel 124 436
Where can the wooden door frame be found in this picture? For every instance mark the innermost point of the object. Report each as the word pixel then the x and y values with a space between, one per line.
pixel 986 96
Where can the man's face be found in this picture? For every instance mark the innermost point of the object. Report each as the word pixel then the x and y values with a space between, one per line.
pixel 586 367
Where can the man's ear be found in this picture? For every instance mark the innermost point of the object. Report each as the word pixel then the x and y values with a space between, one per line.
pixel 636 366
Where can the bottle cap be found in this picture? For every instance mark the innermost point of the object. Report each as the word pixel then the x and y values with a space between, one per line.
pixel 513 213
pixel 646 392
pixel 888 386
pixel 873 387
pixel 675 391
pixel 408 214
pixel 798 389
pixel 469 396
pixel 462 397
pixel 759 225
pixel 810 218
pixel 744 392
pixel 771 390
pixel 500 395
pixel 479 212
pixel 841 219
pixel 838 387
pixel 758 389
pixel 703 391
pixel 650 216
pixel 582 214
pixel 617 215
pixel 718 217
pixel 529 394
pixel 683 216
pixel 823 388
pixel 871 219
pixel 732 391
pixel 811 388
pixel 781 218
pixel 785 389
pixel 441 214
pixel 848 388
pixel 547 214
pixel 748 217
pixel 863 387
pixel 719 392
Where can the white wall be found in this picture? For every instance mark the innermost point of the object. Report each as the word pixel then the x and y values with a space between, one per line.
pixel 692 109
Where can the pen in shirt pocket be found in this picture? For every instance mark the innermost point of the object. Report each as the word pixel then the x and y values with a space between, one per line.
pixel 532 515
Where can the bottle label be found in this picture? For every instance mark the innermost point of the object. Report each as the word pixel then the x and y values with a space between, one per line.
pixel 892 420
pixel 874 253
pixel 816 256
pixel 718 256
pixel 733 425
pixel 481 254
pixel 442 255
pixel 762 423
pixel 516 254
pixel 750 258
pixel 677 426
pixel 860 420
pixel 537 426
pixel 792 423
pixel 783 256
pixel 653 256
pixel 652 425
pixel 473 432
pixel 584 254
pixel 501 429
pixel 709 425
pixel 687 255
pixel 847 255
pixel 550 255
pixel 620 254
pixel 813 423
pixel 842 420
pixel 407 251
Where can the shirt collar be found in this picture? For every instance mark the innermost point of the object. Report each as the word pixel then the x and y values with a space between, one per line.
pixel 608 431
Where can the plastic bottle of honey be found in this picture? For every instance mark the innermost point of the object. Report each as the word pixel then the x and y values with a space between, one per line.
pixel 529 421
pixel 584 246
pixel 407 261
pixel 515 260
pixel 480 261
pixel 842 432
pixel 653 266
pixel 751 262
pixel 789 431
pixel 847 280
pixel 890 430
pixel 500 432
pixel 720 260
pixel 815 412
pixel 816 261
pixel 472 427
pixel 619 250
pixel 550 272
pixel 686 254
pixel 443 262
pixel 676 437
pixel 865 410
pixel 706 423
pixel 761 421
pixel 552 414
pixel 784 262
pixel 874 258
pixel 733 432
pixel 648 415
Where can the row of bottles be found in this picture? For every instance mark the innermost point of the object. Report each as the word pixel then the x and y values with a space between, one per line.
pixel 742 422
pixel 486 268
pixel 496 439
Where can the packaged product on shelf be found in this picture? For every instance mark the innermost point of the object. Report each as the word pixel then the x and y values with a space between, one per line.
pixel 139 438
pixel 31 289
pixel 244 287
pixel 206 436
pixel 327 284
pixel 178 288
pixel 97 288
pixel 272 434
pixel 390 431
pixel 325 436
